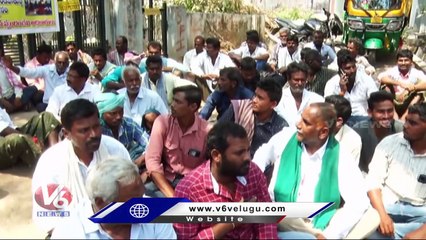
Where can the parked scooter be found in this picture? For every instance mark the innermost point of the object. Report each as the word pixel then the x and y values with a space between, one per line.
pixel 304 29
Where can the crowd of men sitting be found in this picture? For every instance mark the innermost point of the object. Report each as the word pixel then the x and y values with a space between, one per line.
pixel 118 125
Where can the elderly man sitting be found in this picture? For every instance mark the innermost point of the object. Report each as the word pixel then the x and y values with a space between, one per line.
pixel 112 180
pixel 124 129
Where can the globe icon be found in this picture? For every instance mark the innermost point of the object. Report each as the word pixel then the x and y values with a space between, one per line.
pixel 139 210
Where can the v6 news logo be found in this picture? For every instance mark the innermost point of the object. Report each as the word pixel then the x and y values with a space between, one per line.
pixel 53 196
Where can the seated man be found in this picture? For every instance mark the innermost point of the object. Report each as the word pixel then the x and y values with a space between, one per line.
pixel 397 179
pixel 228 176
pixel 206 66
pixel 14 95
pixel 327 53
pixel 354 85
pixel 162 83
pixel 43 57
pixel 310 166
pixel 288 54
pixel 169 65
pixel 189 56
pixel 318 75
pixel 258 116
pixel 124 129
pixel 77 86
pixel 296 98
pixel 252 50
pixel 283 34
pixel 249 73
pixel 112 180
pixel 77 55
pixel 355 47
pixel 54 75
pixel 345 135
pixel 177 143
pixel 380 124
pixel 139 99
pixel 66 164
pixel 229 89
pixel 100 67
pixel 121 53
pixel 404 81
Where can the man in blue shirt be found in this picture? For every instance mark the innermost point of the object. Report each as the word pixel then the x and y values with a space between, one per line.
pixel 230 88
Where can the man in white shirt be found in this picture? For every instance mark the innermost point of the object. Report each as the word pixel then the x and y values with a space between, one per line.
pixel 354 85
pixel 345 135
pixel 281 44
pixel 287 55
pixel 113 180
pixel 296 98
pixel 327 53
pixel 252 50
pixel 404 80
pixel 397 180
pixel 189 56
pixel 63 168
pixel 77 86
pixel 139 99
pixel 208 64
pixel 160 82
pixel 309 166
pixel 54 75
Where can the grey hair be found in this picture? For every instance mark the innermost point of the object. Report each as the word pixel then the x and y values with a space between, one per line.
pixel 284 30
pixel 61 53
pixel 130 68
pixel 104 181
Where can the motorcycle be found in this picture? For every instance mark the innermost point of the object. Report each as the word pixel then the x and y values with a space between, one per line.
pixel 305 29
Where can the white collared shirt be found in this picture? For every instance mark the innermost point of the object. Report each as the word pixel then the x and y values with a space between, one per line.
pixel 202 64
pixel 364 85
pixel 413 77
pixel 285 58
pixel 5 120
pixel 146 99
pixel 78 226
pixel 350 141
pixel 51 78
pixel 52 168
pixel 64 94
pixel 287 109
pixel 244 51
pixel 190 56
pixel 351 182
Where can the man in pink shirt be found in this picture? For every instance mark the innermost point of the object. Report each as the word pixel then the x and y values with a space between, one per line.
pixel 43 57
pixel 177 143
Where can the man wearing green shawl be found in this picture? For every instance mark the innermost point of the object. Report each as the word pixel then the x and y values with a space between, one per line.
pixel 124 129
pixel 310 166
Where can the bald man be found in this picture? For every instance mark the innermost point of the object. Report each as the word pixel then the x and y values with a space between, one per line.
pixel 310 166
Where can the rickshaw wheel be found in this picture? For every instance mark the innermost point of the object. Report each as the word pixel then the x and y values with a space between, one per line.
pixel 372 56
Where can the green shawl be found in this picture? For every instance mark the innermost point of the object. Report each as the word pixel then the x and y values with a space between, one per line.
pixel 327 189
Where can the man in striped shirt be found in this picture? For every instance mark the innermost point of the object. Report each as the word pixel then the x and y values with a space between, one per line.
pixel 397 180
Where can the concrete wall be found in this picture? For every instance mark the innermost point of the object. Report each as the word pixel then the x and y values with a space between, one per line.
pixel 124 18
pixel 231 29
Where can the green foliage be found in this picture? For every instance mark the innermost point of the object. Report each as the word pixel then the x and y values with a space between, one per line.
pixel 212 6
pixel 294 13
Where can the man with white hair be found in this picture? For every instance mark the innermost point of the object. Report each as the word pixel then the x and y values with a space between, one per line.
pixel 54 75
pixel 61 172
pixel 113 180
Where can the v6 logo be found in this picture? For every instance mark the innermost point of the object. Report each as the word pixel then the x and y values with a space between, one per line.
pixel 53 196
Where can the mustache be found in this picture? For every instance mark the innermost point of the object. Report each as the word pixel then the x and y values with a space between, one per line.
pixel 94 140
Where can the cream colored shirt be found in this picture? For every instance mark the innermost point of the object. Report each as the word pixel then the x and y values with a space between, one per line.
pixel 350 141
pixel 395 169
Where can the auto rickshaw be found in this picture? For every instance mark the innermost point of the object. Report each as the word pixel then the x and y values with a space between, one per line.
pixel 378 23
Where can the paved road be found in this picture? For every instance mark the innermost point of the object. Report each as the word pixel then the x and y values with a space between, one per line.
pixel 15 190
